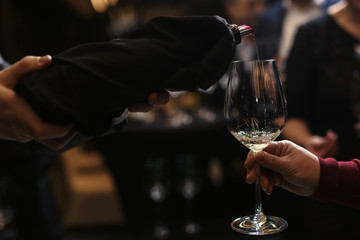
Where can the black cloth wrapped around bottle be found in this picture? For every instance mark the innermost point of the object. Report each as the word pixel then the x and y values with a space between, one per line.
pixel 90 84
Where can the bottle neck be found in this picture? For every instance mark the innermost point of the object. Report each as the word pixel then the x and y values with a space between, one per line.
pixel 241 31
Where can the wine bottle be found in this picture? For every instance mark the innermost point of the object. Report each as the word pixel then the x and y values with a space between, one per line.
pixel 91 84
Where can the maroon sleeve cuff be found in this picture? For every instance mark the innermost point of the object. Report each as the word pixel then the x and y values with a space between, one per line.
pixel 329 179
pixel 339 182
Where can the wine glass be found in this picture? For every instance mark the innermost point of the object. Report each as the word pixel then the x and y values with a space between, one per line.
pixel 255 114
pixel 190 186
pixel 158 188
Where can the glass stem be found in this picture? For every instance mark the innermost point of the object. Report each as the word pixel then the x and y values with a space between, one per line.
pixel 259 215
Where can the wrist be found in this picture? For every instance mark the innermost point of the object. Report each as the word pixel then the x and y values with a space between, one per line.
pixel 327 179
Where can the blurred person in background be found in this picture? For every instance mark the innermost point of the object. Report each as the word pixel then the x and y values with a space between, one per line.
pixel 322 89
pixel 278 25
pixel 323 84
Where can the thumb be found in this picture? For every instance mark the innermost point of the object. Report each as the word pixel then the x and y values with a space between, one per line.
pixel 13 74
pixel 331 136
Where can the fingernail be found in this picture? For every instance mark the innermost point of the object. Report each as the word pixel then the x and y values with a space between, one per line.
pixel 265 190
pixel 45 59
pixel 248 181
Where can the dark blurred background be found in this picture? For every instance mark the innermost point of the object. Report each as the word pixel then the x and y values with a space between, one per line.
pixel 50 26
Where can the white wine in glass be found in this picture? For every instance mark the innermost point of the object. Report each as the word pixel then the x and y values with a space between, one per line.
pixel 255 114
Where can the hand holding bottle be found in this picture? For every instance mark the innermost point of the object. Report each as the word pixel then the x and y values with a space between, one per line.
pixel 18 120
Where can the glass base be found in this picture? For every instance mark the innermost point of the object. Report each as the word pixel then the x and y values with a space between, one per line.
pixel 269 225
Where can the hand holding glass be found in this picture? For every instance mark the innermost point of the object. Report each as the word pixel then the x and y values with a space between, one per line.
pixel 255 114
